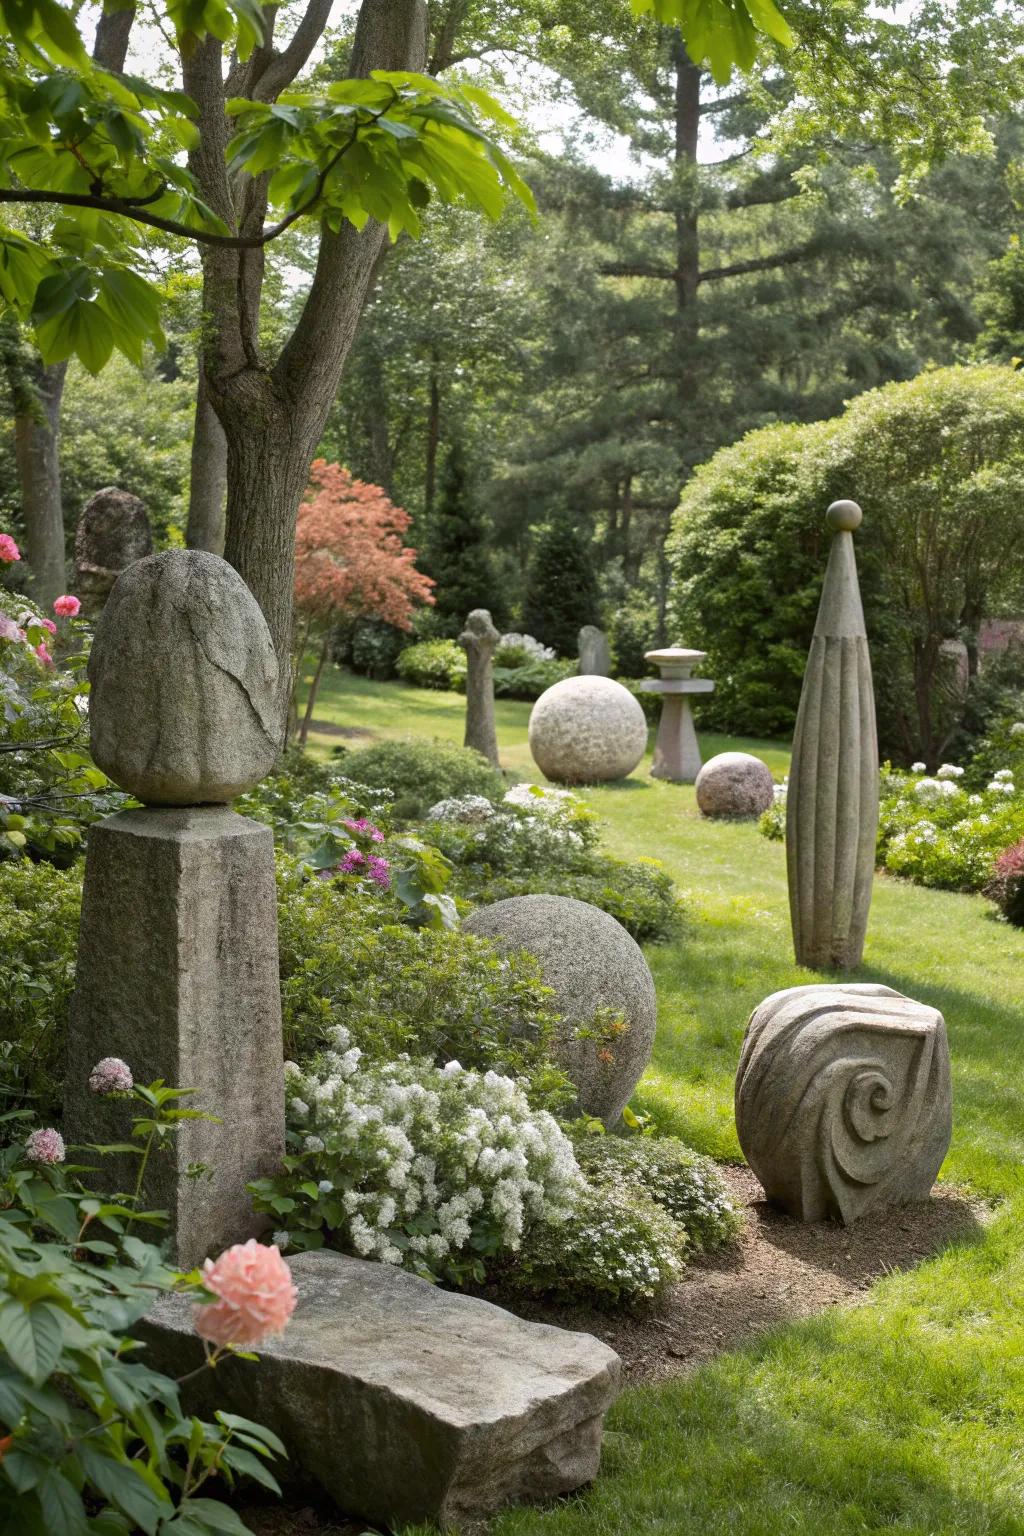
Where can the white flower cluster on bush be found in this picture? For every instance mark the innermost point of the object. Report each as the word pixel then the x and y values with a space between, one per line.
pixel 526 643
pixel 415 1164
pixel 617 1246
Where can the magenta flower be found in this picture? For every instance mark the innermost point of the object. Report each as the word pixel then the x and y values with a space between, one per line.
pixel 111 1075
pixel 362 824
pixel 49 624
pixel 44 656
pixel 352 862
pixel 67 607
pixel 45 1146
pixel 380 871
pixel 256 1295
pixel 9 551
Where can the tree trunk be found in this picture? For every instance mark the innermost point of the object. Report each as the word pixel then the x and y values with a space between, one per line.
pixel 433 439
pixel 209 481
pixel 314 688
pixel 37 454
pixel 687 254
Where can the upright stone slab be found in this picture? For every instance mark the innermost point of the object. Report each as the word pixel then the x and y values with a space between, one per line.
pixel 479 640
pixel 178 975
pixel 595 657
pixel 113 532
pixel 832 803
pixel 408 1403
pixel 177 959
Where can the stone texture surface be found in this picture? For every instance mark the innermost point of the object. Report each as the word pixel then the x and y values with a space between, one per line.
pixel 406 1402
pixel 113 532
pixel 734 784
pixel 832 803
pixel 183 708
pixel 843 1099
pixel 676 752
pixel 177 975
pixel 590 962
pixel 479 640
pixel 595 656
pixel 585 730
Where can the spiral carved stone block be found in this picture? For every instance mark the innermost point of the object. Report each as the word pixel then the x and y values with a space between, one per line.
pixel 843 1099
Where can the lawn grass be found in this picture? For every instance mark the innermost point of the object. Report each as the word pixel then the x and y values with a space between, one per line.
pixel 907 1414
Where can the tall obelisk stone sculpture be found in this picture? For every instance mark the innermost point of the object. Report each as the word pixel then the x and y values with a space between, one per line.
pixel 177 961
pixel 832 804
pixel 479 640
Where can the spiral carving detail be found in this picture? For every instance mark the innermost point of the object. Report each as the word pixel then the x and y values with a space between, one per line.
pixel 843 1101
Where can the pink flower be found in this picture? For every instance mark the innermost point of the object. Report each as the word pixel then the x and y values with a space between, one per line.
pixel 45 1146
pixel 256 1295
pixel 44 656
pixel 380 871
pixel 111 1075
pixel 367 828
pixel 67 607
pixel 49 624
pixel 352 862
pixel 9 630
pixel 8 549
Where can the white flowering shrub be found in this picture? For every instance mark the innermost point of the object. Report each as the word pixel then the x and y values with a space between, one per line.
pixel 935 829
pixel 618 1247
pixel 515 650
pixel 687 1186
pixel 434 1168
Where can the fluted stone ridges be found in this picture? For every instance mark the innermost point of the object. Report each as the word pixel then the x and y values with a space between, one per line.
pixel 832 803
pixel 843 1099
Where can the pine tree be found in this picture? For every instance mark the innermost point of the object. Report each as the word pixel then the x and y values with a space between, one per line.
pixel 561 593
pixel 456 555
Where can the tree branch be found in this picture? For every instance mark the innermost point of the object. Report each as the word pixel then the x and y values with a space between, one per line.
pixel 757 264
pixel 284 66
pixel 724 103
pixel 637 269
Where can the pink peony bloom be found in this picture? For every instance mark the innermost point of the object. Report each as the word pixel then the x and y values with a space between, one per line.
pixel 111 1075
pixel 45 1146
pixel 44 656
pixel 67 607
pixel 49 624
pixel 256 1295
pixel 9 551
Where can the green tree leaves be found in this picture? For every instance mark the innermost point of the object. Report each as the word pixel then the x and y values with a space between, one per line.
pixel 721 33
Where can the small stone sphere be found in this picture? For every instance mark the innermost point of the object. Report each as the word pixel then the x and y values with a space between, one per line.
pixel 585 730
pixel 590 962
pixel 844 515
pixel 184 707
pixel 734 784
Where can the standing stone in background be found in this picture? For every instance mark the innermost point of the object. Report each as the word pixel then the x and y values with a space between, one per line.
pixel 177 958
pixel 595 657
pixel 479 640
pixel 832 804
pixel 113 532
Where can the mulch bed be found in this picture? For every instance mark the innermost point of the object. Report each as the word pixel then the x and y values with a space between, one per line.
pixel 778 1270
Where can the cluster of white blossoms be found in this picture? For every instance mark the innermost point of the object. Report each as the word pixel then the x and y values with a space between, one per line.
pixel 423 1160
pixel 1002 782
pixel 933 790
pixel 533 648
pixel 462 808
pixel 543 798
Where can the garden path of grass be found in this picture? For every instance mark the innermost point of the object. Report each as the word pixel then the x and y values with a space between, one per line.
pixel 906 1414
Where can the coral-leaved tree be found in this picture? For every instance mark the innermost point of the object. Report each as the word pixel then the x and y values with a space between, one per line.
pixel 350 563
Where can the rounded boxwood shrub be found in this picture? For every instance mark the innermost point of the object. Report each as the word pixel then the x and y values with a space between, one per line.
pixel 689 1187
pixel 420 773
pixel 433 664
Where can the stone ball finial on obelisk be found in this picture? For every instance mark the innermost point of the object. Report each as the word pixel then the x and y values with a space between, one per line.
pixel 177 960
pixel 832 802
pixel 479 640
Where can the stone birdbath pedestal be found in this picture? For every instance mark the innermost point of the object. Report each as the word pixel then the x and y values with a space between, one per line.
pixel 676 753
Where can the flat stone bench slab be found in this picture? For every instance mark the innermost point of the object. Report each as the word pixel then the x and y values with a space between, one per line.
pixel 405 1402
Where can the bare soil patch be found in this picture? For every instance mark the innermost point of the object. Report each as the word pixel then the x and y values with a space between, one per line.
pixel 346 732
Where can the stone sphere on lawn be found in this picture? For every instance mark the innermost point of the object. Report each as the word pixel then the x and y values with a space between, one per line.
pixel 734 784
pixel 585 730
pixel 183 708
pixel 590 962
